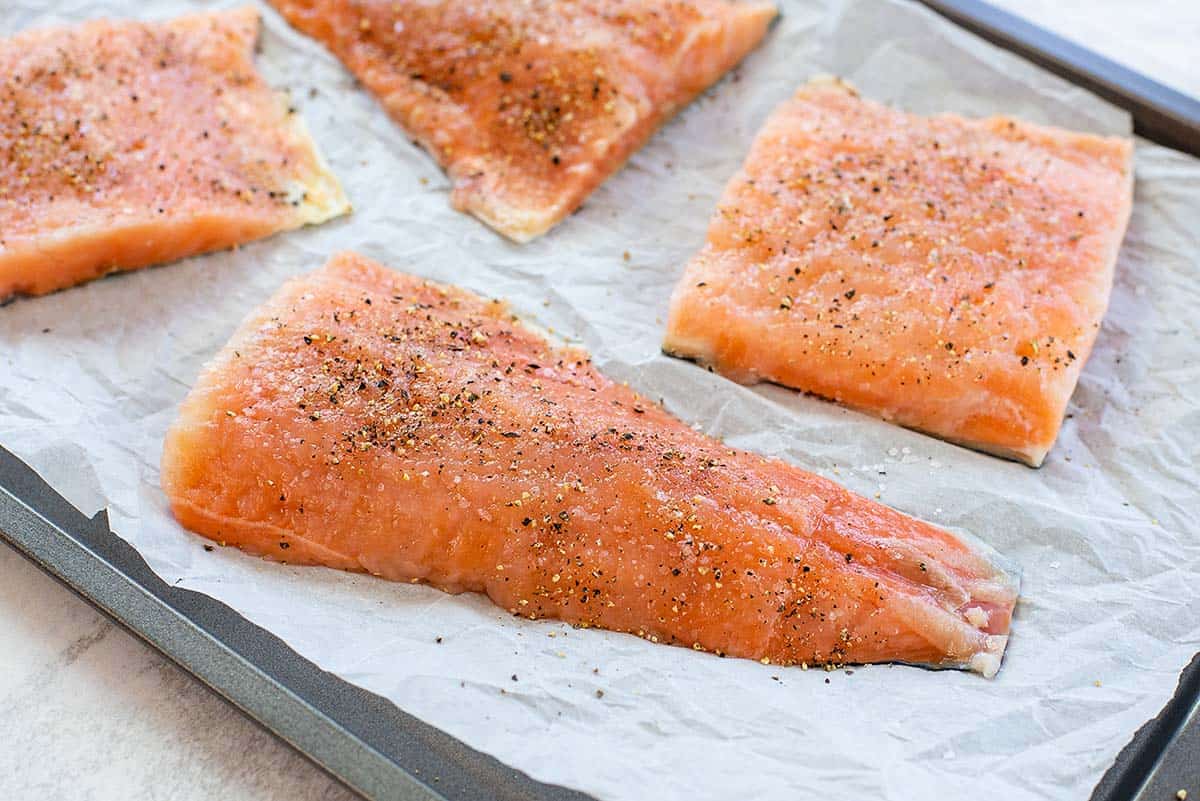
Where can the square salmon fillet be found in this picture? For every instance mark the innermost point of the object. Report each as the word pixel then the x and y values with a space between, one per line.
pixel 529 106
pixel 945 273
pixel 125 144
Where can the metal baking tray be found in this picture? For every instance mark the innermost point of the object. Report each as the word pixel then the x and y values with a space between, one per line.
pixel 384 753
pixel 360 738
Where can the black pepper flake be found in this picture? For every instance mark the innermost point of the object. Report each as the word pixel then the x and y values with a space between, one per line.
pixel 1071 355
pixel 1024 360
pixel 506 77
pixel 284 545
pixel 850 294
pixel 849 557
pixel 208 548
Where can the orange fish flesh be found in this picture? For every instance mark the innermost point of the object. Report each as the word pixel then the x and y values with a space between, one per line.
pixel 945 273
pixel 529 106
pixel 372 421
pixel 126 144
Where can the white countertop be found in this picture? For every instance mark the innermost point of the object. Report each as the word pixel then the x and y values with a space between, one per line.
pixel 89 713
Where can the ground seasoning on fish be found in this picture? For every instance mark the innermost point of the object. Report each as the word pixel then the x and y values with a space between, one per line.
pixel 399 444
pixel 125 144
pixel 531 105
pixel 944 273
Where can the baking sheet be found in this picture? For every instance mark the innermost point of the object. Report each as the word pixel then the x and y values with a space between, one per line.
pixel 1106 533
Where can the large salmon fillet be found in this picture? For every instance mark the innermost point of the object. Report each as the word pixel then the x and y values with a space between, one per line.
pixel 125 144
pixel 945 273
pixel 369 420
pixel 531 104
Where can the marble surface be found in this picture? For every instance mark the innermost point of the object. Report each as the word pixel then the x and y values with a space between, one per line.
pixel 89 713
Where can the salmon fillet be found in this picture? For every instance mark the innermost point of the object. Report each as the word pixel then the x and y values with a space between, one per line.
pixel 125 144
pixel 372 421
pixel 529 106
pixel 945 273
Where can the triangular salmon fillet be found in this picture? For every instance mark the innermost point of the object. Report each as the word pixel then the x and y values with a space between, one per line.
pixel 945 273
pixel 125 144
pixel 529 106
pixel 369 420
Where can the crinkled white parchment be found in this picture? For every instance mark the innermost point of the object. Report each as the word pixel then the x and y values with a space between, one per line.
pixel 1106 532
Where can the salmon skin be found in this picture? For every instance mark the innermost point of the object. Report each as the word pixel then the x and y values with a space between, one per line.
pixel 529 106
pixel 373 421
pixel 945 273
pixel 126 144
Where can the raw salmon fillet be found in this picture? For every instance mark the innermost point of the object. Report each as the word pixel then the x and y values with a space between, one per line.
pixel 530 104
pixel 125 144
pixel 369 420
pixel 945 273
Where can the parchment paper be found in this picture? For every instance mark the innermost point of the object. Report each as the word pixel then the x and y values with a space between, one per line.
pixel 1105 533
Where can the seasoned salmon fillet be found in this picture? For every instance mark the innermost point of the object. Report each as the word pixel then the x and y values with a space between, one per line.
pixel 945 273
pixel 373 421
pixel 125 144
pixel 531 104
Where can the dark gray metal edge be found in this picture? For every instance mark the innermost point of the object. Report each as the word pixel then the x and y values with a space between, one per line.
pixel 1178 767
pixel 1164 755
pixel 1160 113
pixel 360 738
